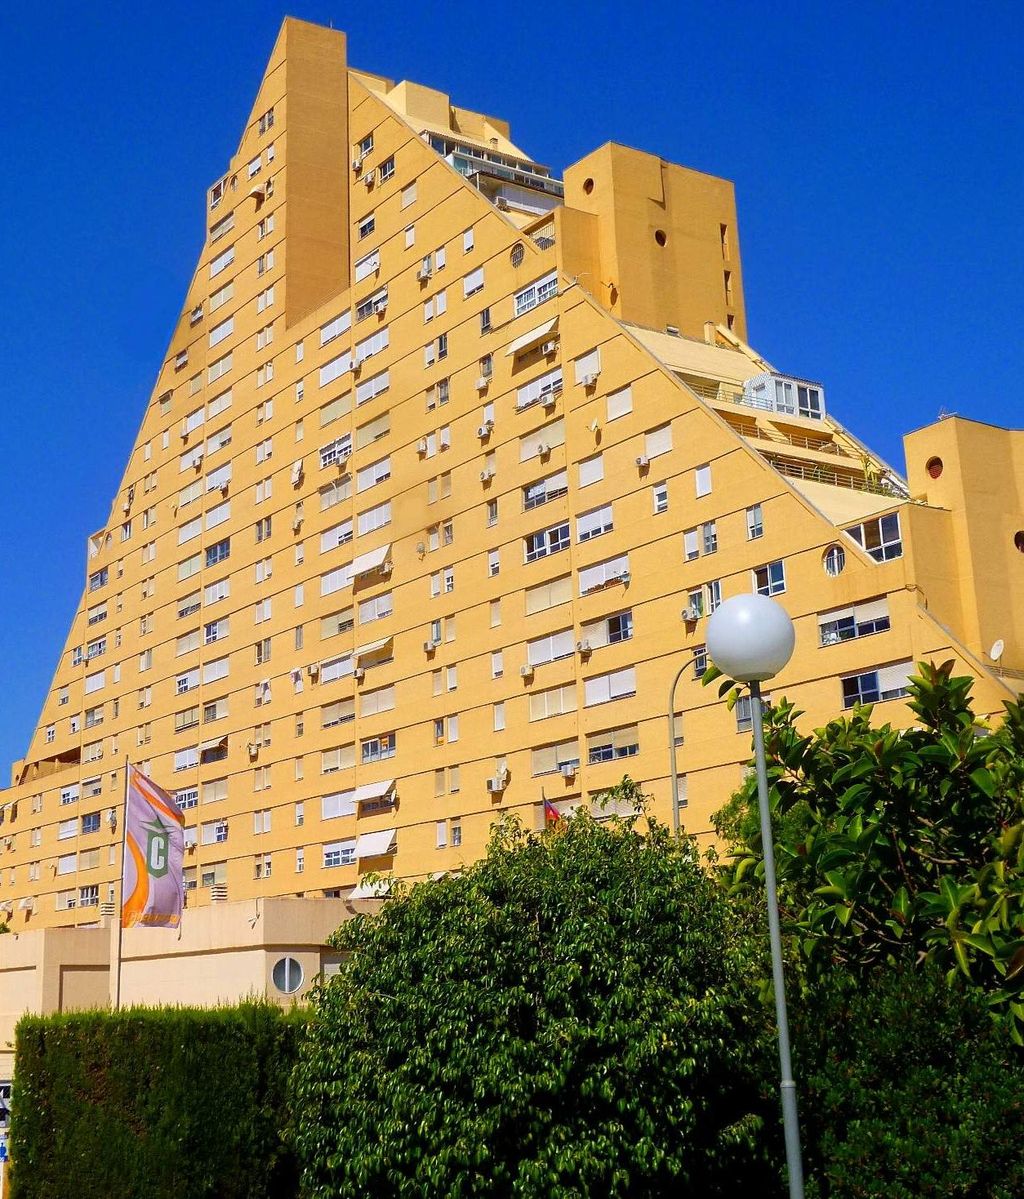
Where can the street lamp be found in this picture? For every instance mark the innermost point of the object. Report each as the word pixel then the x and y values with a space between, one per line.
pixel 750 638
pixel 672 740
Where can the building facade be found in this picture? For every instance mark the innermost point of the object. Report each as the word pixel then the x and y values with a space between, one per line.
pixel 445 467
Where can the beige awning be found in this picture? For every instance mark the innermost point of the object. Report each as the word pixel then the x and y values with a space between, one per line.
pixel 216 743
pixel 373 560
pixel 530 339
pixel 372 647
pixel 377 890
pixel 369 791
pixel 375 845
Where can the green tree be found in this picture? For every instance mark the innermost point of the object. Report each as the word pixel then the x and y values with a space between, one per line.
pixel 896 845
pixel 569 1017
pixel 908 1089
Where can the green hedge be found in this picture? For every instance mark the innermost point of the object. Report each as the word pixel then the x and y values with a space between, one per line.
pixel 162 1103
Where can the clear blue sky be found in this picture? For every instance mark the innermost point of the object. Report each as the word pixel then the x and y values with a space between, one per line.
pixel 876 150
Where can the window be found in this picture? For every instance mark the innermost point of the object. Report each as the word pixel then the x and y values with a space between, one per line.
pixel 368 265
pixel 587 367
pixel 386 169
pixel 658 441
pixel 612 744
pixel 874 686
pixel 473 282
pixel 536 293
pixel 374 473
pixel 550 647
pixel 834 561
pixel 770 579
pixel 606 687
pixel 548 759
pixel 542 440
pixel 609 630
pixel 593 578
pixel 376 385
pixel 546 542
pixel 550 488
pixel 659 498
pixel 755 523
pixel 221 263
pixel 548 384
pixel 620 403
pixel 373 344
pixel 374 518
pixel 376 749
pixel 218 552
pixel 880 538
pixel 555 702
pixel 847 624
pixel 366 226
pixel 467 241
pixel 702 480
pixel 709 537
pixel 339 853
pixel 365 146
pixel 594 523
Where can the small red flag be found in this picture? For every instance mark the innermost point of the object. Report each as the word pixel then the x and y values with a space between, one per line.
pixel 551 813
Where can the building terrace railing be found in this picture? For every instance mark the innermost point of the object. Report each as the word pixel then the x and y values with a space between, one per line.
pixel 815 473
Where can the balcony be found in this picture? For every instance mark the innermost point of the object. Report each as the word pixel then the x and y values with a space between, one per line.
pixel 813 472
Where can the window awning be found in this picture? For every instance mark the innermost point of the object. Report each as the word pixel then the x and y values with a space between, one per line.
pixel 364 890
pixel 373 560
pixel 529 339
pixel 375 845
pixel 216 743
pixel 369 791
pixel 372 647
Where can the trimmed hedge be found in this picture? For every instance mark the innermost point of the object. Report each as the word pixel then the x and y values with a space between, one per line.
pixel 161 1103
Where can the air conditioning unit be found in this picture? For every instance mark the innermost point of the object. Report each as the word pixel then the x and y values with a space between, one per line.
pixel 342 461
pixel 642 461
pixel 224 487
pixel 526 671
pixel 549 399
pixel 357 165
pixel 357 366
pixel 548 347
pixel 430 646
pixel 568 770
pixel 296 523
pixel 591 379
pixel 583 647
pixel 126 506
pixel 625 577
pixel 198 462
pixel 485 429
pixel 486 474
pixel 112 817
pixel 219 893
pixel 380 305
pixel 481 385
pixel 359 674
pixel 421 446
pixel 496 785
pixel 313 669
pixel 368 179
pixel 253 749
pixel 543 450
pixel 692 613
pixel 424 273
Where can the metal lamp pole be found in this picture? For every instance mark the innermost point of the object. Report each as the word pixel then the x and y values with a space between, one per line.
pixel 672 742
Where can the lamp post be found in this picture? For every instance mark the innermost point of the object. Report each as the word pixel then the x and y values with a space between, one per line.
pixel 672 742
pixel 750 638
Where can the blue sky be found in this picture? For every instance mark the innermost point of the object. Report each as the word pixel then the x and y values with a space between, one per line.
pixel 876 150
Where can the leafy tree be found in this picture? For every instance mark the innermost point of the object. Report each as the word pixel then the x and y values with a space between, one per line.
pixel 896 845
pixel 907 1089
pixel 569 1017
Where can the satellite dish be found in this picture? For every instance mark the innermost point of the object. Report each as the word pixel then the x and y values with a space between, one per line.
pixel 996 652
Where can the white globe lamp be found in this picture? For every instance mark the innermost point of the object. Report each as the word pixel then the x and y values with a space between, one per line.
pixel 750 638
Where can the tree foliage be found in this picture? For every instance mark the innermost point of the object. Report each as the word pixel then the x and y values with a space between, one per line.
pixel 569 1017
pixel 897 845
pixel 908 1089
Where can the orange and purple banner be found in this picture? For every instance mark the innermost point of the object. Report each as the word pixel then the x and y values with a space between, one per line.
pixel 152 888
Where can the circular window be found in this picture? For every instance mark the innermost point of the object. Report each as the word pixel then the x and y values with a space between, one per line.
pixel 659 236
pixel 517 255
pixel 588 186
pixel 1018 540
pixel 287 975
pixel 834 560
pixel 934 467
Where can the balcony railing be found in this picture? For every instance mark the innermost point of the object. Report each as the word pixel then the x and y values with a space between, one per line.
pixel 815 473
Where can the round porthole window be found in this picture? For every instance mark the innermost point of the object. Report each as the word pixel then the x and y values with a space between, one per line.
pixel 659 236
pixel 287 975
pixel 1018 540
pixel 934 467
pixel 588 186
pixel 834 560
pixel 517 255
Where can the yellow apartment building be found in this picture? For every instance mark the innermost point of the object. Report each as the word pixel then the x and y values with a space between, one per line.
pixel 446 464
